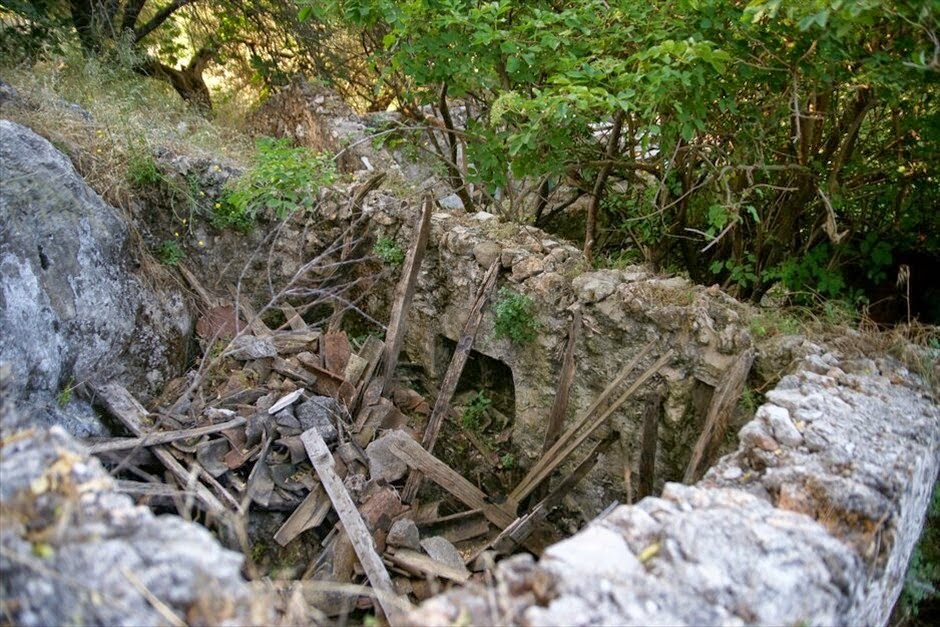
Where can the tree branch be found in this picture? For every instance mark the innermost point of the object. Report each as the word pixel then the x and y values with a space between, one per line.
pixel 158 19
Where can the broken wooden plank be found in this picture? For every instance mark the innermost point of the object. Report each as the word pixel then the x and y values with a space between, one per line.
pixel 124 407
pixel 284 367
pixel 310 513
pixel 294 321
pixel 336 351
pixel 164 437
pixel 289 342
pixel 422 565
pixel 516 534
pixel 719 411
pixel 404 293
pixel 458 527
pixel 452 377
pixel 648 443
pixel 371 351
pixel 207 299
pixel 557 416
pixel 563 448
pixel 580 422
pixel 414 455
pixel 353 524
pixel 257 326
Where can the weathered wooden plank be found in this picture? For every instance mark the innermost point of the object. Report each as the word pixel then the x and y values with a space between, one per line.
pixel 421 564
pixel 549 455
pixel 719 410
pixel 443 475
pixel 289 342
pixel 294 321
pixel 517 533
pixel 648 443
pixel 124 407
pixel 404 294
pixel 287 369
pixel 164 437
pixel 311 512
pixel 557 416
pixel 564 447
pixel 353 524
pixel 452 377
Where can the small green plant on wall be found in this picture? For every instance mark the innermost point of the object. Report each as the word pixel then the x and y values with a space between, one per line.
pixel 475 411
pixel 388 251
pixel 515 319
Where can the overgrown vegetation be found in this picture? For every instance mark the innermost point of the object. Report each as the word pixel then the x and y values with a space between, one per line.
pixel 388 251
pixel 772 142
pixel 922 581
pixel 282 180
pixel 515 319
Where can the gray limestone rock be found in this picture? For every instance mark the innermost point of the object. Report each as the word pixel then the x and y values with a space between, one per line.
pixel 404 533
pixel 71 310
pixel 443 551
pixel 319 412
pixel 772 535
pixel 98 551
pixel 383 463
pixel 247 347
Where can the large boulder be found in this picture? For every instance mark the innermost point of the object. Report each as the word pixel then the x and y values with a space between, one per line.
pixel 71 308
pixel 73 550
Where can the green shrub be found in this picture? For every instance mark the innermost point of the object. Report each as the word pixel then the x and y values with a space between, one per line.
pixel 388 251
pixel 169 252
pixel 283 179
pixel 514 317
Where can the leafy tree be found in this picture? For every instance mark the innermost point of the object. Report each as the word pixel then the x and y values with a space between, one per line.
pixel 778 140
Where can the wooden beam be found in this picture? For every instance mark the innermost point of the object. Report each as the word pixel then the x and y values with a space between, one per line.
pixel 563 448
pixel 719 411
pixel 443 475
pixel 547 457
pixel 518 532
pixel 452 377
pixel 422 565
pixel 648 443
pixel 354 526
pixel 124 407
pixel 566 378
pixel 163 437
pixel 404 293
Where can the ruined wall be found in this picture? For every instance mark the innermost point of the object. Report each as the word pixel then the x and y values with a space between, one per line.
pixel 622 310
pixel 811 521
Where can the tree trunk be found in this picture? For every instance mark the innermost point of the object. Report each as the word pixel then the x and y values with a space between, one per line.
pixel 590 229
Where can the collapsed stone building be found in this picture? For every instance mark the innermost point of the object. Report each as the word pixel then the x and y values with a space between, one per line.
pixel 812 516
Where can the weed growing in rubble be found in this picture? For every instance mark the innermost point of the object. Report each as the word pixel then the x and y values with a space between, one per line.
pixel 473 414
pixel 388 251
pixel 514 317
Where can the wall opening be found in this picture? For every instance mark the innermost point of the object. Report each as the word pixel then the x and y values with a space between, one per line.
pixel 480 374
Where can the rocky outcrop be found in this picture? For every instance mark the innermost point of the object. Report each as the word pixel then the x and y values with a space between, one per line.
pixel 71 308
pixel 73 550
pixel 811 521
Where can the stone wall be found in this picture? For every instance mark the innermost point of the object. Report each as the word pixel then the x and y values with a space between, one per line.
pixel 811 521
pixel 622 310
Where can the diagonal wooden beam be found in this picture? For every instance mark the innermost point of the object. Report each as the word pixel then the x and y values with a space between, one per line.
pixel 404 293
pixel 454 370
